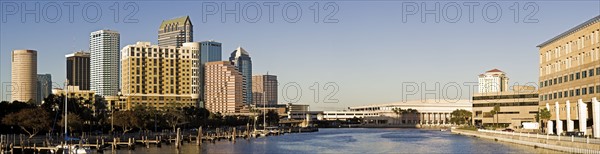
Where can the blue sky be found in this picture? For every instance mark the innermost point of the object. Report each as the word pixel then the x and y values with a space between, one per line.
pixel 368 53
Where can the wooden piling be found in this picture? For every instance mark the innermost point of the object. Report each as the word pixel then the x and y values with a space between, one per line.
pixel 233 135
pixel 177 139
pixel 199 137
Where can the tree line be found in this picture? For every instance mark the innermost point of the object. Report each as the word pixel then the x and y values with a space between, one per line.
pixel 95 117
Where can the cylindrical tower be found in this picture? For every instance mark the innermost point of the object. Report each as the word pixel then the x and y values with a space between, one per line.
pixel 24 79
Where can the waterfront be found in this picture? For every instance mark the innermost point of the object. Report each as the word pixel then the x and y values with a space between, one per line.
pixel 352 140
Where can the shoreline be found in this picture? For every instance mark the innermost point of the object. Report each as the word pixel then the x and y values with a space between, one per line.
pixel 566 145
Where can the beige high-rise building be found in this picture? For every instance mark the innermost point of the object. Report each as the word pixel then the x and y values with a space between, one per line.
pixel 264 90
pixel 24 75
pixel 160 76
pixel 569 78
pixel 224 92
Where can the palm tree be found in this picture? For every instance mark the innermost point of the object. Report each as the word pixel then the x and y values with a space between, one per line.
pixel 397 111
pixel 543 114
pixel 495 112
pixel 413 113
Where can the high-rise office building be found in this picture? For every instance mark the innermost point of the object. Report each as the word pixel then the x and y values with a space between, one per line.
pixel 224 92
pixel 493 81
pixel 44 86
pixel 569 79
pixel 24 75
pixel 161 76
pixel 242 61
pixel 209 51
pixel 264 90
pixel 175 32
pixel 78 69
pixel 104 69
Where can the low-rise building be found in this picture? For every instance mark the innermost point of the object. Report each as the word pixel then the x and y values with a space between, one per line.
pixel 516 107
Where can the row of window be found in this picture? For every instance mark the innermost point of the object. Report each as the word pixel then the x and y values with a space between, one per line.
pixel 570 93
pixel 506 104
pixel 570 77
pixel 505 97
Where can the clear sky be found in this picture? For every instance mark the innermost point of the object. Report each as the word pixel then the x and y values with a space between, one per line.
pixel 368 49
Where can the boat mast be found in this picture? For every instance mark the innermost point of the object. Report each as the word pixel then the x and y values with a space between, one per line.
pixel 66 100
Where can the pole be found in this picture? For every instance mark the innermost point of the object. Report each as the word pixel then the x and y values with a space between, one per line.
pixel 66 100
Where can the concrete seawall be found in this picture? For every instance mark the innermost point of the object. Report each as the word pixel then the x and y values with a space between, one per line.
pixel 536 141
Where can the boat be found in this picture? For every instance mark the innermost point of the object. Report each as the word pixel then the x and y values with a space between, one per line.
pixel 260 133
pixel 73 149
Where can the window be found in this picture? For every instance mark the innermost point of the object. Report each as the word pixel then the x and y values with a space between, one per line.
pixel 560 94
pixel 577 76
pixel 565 78
pixel 591 89
pixel 571 93
pixel 577 92
pixel 571 77
pixel 584 74
pixel 591 72
pixel 583 91
pixel 560 79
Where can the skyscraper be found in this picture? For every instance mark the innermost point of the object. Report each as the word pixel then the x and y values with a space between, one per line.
pixel 104 46
pixel 209 51
pixel 242 61
pixel 175 32
pixel 24 75
pixel 44 86
pixel 264 90
pixel 78 69
pixel 160 76
pixel 493 81
pixel 224 91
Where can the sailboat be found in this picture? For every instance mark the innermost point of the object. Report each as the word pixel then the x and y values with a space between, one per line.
pixel 70 148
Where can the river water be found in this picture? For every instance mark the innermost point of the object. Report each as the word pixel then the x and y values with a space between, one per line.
pixel 351 140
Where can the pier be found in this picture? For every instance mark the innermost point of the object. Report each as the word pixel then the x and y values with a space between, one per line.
pixel 16 144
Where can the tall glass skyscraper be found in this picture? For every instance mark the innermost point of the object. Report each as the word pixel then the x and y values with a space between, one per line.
pixel 105 62
pixel 242 61
pixel 210 51
pixel 44 87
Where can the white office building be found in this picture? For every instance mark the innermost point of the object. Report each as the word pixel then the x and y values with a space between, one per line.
pixel 105 64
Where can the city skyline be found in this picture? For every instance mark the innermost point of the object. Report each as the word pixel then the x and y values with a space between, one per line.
pixel 270 50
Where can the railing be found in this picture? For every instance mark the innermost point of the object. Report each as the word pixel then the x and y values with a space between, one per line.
pixel 545 136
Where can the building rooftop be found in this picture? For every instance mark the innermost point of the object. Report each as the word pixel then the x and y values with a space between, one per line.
pixel 421 103
pixel 570 31
pixel 180 20
pixel 493 70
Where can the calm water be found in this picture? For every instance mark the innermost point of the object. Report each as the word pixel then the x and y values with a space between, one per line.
pixel 353 140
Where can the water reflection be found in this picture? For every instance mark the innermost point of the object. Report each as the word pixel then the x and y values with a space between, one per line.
pixel 352 140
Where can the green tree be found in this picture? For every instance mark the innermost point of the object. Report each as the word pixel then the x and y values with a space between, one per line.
pixel 127 120
pixel 495 113
pixel 174 117
pixel 397 111
pixel 461 116
pixel 74 122
pixel 543 114
pixel 30 120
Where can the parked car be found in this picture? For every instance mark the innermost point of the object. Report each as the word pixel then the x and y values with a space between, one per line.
pixel 508 130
